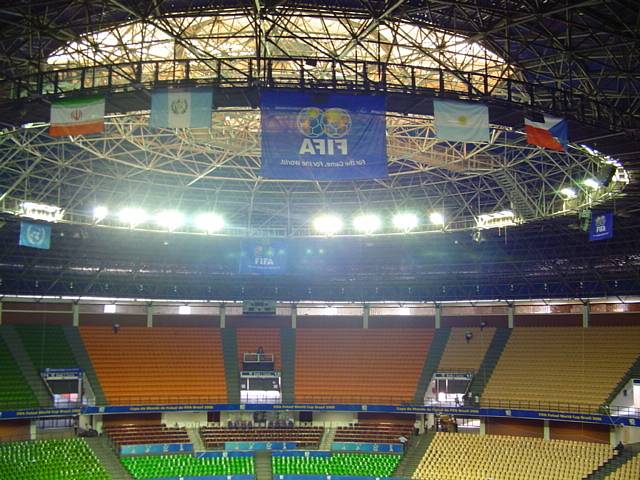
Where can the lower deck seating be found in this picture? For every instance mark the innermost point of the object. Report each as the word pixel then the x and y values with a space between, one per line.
pixel 373 433
pixel 178 466
pixel 50 460
pixel 628 471
pixel 145 434
pixel 349 464
pixel 459 456
pixel 215 437
pixel 14 390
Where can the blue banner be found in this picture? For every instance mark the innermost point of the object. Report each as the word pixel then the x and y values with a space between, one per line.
pixel 323 136
pixel 367 447
pixel 208 477
pixel 601 227
pixel 302 453
pixel 156 448
pixel 259 446
pixel 223 454
pixel 330 477
pixel 35 235
pixel 263 257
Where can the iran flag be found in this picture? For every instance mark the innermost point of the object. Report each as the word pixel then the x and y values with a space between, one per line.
pixel 546 131
pixel 77 116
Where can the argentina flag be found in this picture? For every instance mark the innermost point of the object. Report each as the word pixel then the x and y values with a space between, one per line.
pixel 35 235
pixel 461 121
pixel 181 108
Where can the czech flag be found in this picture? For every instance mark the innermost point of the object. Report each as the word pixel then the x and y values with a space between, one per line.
pixel 547 132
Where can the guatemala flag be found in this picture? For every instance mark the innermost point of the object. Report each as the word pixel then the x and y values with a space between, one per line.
pixel 35 235
pixel 181 108
pixel 461 121
pixel 547 132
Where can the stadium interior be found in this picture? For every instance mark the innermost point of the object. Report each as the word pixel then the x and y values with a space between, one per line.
pixel 337 240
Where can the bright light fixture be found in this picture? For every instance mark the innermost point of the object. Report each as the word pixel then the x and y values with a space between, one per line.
pixel 41 211
pixel 405 222
pixel 170 219
pixel 184 310
pixel 209 222
pixel 504 218
pixel 436 218
pixel 592 183
pixel 367 223
pixel 133 216
pixel 327 224
pixel 99 213
pixel 569 192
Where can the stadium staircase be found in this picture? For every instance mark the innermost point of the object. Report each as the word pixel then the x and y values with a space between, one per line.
pixel 29 372
pixel 517 196
pixel 263 466
pixel 104 452
pixel 414 451
pixel 74 340
pixel 614 463
pixel 489 361
pixel 633 372
pixel 196 439
pixel 438 344
pixel 327 438
pixel 231 371
pixel 288 361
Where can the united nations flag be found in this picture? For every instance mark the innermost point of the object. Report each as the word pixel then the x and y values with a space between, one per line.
pixel 35 235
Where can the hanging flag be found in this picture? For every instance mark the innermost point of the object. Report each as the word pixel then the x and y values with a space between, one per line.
pixel 547 132
pixel 35 235
pixel 601 227
pixel 461 121
pixel 181 108
pixel 77 116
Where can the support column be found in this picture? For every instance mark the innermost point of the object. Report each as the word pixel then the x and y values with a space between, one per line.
pixel 149 316
pixel 294 316
pixel 75 311
pixel 33 430
pixel 510 310
pixel 0 313
pixel 483 426
pixel 365 316
pixel 547 430
pixel 586 313
pixel 438 314
pixel 223 314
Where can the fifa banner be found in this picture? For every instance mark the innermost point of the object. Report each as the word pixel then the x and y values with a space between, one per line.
pixel 264 257
pixel 601 226
pixel 323 136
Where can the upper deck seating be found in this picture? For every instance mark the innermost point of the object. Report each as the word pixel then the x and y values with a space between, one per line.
pixel 145 434
pixel 460 355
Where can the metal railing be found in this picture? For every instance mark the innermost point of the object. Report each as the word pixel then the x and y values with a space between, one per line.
pixel 314 73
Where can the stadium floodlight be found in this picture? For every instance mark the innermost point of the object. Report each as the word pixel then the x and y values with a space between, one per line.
pixel 99 213
pixel 169 219
pixel 133 216
pixel 569 192
pixel 437 218
pixel 41 211
pixel 367 223
pixel 327 224
pixel 209 222
pixel 405 222
pixel 592 183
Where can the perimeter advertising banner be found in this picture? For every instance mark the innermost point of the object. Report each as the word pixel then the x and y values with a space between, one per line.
pixel 323 136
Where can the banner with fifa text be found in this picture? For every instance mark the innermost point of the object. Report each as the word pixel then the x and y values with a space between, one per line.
pixel 323 136
pixel 601 226
pixel 263 256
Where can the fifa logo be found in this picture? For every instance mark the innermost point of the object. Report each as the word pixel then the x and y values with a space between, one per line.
pixel 263 256
pixel 601 224
pixel 324 130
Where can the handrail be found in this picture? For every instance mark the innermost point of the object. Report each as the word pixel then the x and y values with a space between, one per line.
pixel 301 72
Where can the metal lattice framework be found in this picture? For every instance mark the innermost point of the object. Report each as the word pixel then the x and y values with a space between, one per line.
pixel 577 59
